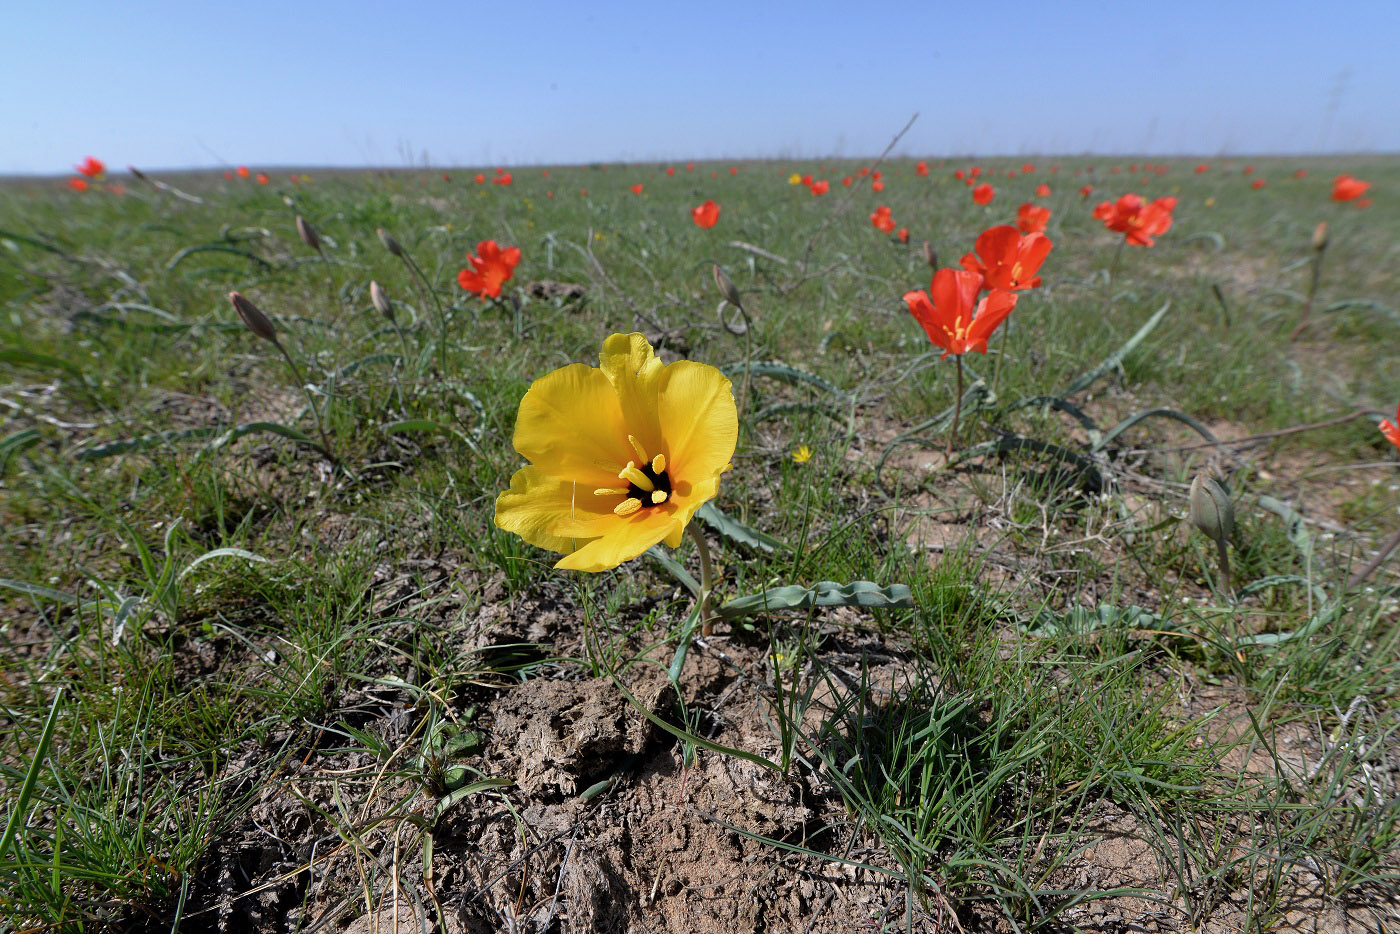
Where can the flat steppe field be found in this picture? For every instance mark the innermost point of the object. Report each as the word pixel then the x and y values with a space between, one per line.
pixel 267 663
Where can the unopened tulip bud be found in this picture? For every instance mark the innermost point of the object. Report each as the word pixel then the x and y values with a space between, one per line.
pixel 1320 235
pixel 137 173
pixel 390 244
pixel 308 234
pixel 252 316
pixel 930 256
pixel 380 301
pixel 726 288
pixel 1212 511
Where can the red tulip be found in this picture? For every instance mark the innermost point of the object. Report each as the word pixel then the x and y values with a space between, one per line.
pixel 1086 191
pixel 1301 173
pixel 882 220
pixel 951 315
pixel 637 188
pixel 242 171
pixel 1391 430
pixel 733 170
pixel 820 188
pixel 706 215
pixel 1249 170
pixel 983 194
pixel 1348 188
pixel 847 181
pixel 262 178
pixel 480 179
pixel 1042 190
pixel 921 170
pixel 670 171
pixel 959 174
pixel 491 268
pixel 877 186
pixel 1138 222
pixel 903 235
pixel 1257 184
pixel 1027 169
pixel 690 166
pixel 1202 169
pixel 91 167
pixel 1007 260
pixel 1031 218
pixel 78 184
pixel 502 178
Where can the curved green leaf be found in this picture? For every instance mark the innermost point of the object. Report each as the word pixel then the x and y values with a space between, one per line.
pixel 823 593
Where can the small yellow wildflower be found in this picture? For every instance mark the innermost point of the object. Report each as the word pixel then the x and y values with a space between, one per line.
pixel 802 455
pixel 794 179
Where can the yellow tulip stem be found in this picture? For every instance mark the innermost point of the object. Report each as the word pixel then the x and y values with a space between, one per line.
pixel 707 578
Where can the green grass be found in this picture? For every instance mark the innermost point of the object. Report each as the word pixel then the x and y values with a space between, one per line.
pixel 216 606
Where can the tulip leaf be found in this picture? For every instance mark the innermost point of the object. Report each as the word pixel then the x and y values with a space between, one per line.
pixel 34 590
pixel 787 374
pixel 466 791
pixel 221 438
pixel 1369 305
pixel 222 553
pixel 1089 471
pixel 1079 620
pixel 189 251
pixel 1321 618
pixel 1293 524
pixel 373 359
pixel 1116 358
pixel 734 529
pixel 1276 580
pixel 779 409
pixel 823 593
pixel 13 445
pixel 677 570
pixel 40 361
pixel 1134 419
pixel 1207 236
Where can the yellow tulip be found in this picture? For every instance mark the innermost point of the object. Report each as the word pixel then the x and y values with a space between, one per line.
pixel 620 456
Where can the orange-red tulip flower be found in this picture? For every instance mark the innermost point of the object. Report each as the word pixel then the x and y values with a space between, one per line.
pixel 1348 188
pixel 1202 169
pixel 91 167
pixel 78 184
pixel 1257 184
pixel 820 188
pixel 952 317
pixel 1027 169
pixel 983 194
pixel 1042 190
pixel 1032 218
pixel 502 178
pixel 637 188
pixel 670 171
pixel 242 171
pixel 1138 222
pixel 263 179
pixel 1391 430
pixel 903 235
pixel 1085 192
pixel 877 186
pixel 480 178
pixel 921 170
pixel 882 220
pixel 959 174
pixel 491 268
pixel 1301 173
pixel 706 215
pixel 1006 260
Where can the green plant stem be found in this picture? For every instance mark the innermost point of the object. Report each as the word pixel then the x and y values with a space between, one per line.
pixel 442 315
pixel 957 409
pixel 707 579
pixel 1001 353
pixel 1117 258
pixel 1224 555
pixel 1312 294
pixel 315 413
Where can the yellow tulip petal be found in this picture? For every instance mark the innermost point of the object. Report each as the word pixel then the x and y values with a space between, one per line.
pixel 536 506
pixel 570 425
pixel 699 418
pixel 623 543
pixel 635 373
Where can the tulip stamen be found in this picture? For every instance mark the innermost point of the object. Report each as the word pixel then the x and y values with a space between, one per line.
pixel 658 464
pixel 658 497
pixel 628 506
pixel 637 446
pixel 611 491
pixel 632 475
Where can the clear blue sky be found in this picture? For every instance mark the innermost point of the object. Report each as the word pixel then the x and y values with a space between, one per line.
pixel 192 83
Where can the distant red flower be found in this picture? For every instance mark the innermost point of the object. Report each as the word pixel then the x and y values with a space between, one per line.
pixel 882 220
pixel 500 171
pixel 583 192
pixel 1027 169
pixel 951 315
pixel 91 167
pixel 544 173
pixel 445 177
pixel 1391 430
pixel 263 179
pixel 637 188
pixel 480 179
pixel 549 195
pixel 116 190
pixel 733 170
pixel 959 174
pixel 861 173
pixel 877 186
pixel 1042 190
pixel 976 171
pixel 1249 170
pixel 242 171
pixel 1138 222
pixel 1086 191
pixel 1257 184
pixel 1010 173
pixel 1301 173
pixel 690 166
pixel 1007 260
pixel 820 188
pixel 1032 218
pixel 876 175
pixel 921 170
pixel 847 181
pixel 78 184
pixel 670 171
pixel 228 176
pixel 983 194
pixel 706 215
pixel 491 268
pixel 1202 169
pixel 502 178
pixel 1348 188
pixel 903 235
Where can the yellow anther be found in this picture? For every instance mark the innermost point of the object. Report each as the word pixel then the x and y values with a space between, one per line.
pixel 628 506
pixel 632 475
pixel 658 497
pixel 658 464
pixel 637 446
pixel 611 491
